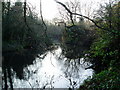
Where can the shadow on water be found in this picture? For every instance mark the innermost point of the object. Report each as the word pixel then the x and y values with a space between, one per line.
pixel 15 62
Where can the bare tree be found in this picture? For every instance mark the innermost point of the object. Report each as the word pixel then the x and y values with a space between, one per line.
pixel 88 11
pixel 45 27
pixel 25 20
pixel 86 17
pixel 74 6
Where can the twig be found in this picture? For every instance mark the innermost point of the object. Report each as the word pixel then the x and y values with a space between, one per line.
pixel 25 20
pixel 30 85
pixel 43 19
pixel 71 13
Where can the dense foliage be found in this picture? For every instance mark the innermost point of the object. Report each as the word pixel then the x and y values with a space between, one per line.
pixel 104 53
pixel 24 36
pixel 77 39
pixel 19 34
pixel 107 79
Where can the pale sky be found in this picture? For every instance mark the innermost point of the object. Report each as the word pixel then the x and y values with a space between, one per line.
pixel 50 7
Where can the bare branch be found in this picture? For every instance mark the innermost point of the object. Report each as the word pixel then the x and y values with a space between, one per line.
pixel 96 24
pixel 25 16
pixel 71 14
pixel 42 19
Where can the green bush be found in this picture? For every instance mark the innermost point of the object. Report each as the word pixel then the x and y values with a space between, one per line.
pixel 104 53
pixel 105 80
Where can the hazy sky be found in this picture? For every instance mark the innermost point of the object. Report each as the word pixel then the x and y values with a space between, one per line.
pixel 50 7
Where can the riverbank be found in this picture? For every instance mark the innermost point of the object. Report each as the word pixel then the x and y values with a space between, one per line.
pixel 106 79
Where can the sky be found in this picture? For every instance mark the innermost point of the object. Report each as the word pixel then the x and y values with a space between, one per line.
pixel 50 7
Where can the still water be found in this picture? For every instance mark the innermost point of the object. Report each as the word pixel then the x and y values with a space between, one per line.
pixel 53 71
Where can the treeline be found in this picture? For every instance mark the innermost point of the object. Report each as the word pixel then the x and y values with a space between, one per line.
pixel 100 43
pixel 104 52
pixel 24 36
pixel 77 40
pixel 24 30
pixel 78 34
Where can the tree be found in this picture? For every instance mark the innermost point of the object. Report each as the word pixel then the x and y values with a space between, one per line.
pixel 74 6
pixel 92 20
pixel 76 38
pixel 104 50
pixel 23 38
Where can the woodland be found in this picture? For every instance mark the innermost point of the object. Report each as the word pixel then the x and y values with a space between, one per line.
pixel 96 39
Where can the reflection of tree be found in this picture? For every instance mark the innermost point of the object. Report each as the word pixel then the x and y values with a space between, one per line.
pixel 72 72
pixel 76 37
pixel 23 38
pixel 73 69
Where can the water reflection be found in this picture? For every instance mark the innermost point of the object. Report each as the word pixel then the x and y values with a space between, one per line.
pixel 54 71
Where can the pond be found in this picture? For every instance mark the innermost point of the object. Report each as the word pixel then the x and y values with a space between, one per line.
pixel 53 71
